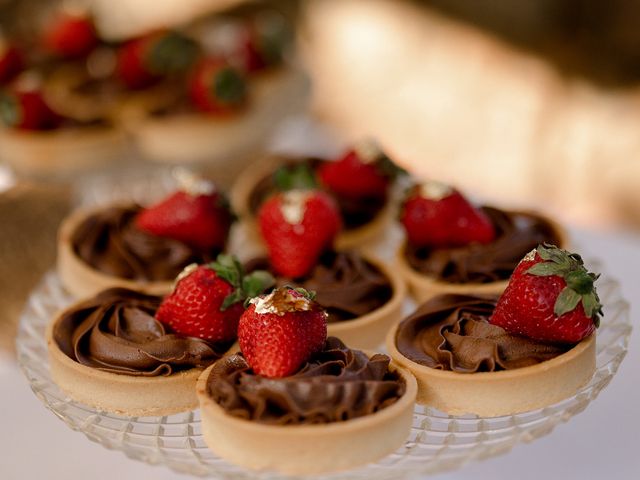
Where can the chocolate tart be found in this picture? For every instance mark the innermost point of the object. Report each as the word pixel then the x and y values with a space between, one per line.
pixel 305 448
pixel 62 150
pixel 160 387
pixel 186 137
pixel 260 169
pixel 82 279
pixel 425 286
pixel 551 374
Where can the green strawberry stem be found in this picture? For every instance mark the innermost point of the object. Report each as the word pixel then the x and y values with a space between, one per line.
pixel 229 87
pixel 580 282
pixel 295 177
pixel 246 287
pixel 9 110
pixel 172 53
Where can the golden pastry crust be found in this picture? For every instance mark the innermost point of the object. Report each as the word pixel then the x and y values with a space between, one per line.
pixel 198 137
pixel 64 150
pixel 262 167
pixel 424 287
pixel 506 392
pixel 121 394
pixel 80 278
pixel 369 331
pixel 307 449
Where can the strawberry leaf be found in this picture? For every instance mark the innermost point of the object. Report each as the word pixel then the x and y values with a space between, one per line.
pixel 566 301
pixel 228 268
pixel 229 86
pixel 293 177
pixel 257 282
pixel 234 297
pixel 172 53
pixel 545 269
pixel 10 112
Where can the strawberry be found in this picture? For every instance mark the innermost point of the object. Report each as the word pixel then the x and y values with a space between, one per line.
pixel 262 43
pixel 207 300
pixel 143 61
pixel 26 110
pixel 70 36
pixel 298 225
pixel 11 61
pixel 217 87
pixel 197 215
pixel 280 331
pixel 359 173
pixel 436 215
pixel 551 297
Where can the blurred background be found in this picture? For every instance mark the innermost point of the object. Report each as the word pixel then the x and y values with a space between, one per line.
pixel 531 104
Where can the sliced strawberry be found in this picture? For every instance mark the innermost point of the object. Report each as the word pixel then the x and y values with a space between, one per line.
pixel 217 87
pixel 298 226
pixel 551 297
pixel 436 215
pixel 197 215
pixel 27 110
pixel 70 36
pixel 207 301
pixel 143 61
pixel 280 331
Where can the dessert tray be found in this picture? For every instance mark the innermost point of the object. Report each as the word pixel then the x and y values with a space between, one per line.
pixel 437 442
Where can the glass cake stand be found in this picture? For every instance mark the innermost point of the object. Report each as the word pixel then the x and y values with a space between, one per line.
pixel 437 442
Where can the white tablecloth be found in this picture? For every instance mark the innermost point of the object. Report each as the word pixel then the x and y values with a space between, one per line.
pixel 601 442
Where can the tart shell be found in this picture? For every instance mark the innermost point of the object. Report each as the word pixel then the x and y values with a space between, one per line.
pixel 307 449
pixel 506 392
pixel 121 394
pixel 80 278
pixel 259 169
pixel 424 287
pixel 62 151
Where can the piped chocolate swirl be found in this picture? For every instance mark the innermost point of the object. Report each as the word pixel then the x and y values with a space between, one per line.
pixel 116 332
pixel 452 332
pixel 336 384
pixel 110 242
pixel 347 286
pixel 516 235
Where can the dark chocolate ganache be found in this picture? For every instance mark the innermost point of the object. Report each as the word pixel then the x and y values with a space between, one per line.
pixel 116 332
pixel 110 242
pixel 346 285
pixel 335 385
pixel 354 212
pixel 452 332
pixel 516 235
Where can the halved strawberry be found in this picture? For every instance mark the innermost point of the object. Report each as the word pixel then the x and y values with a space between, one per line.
pixel 436 215
pixel 297 226
pixel 145 60
pixel 197 215
pixel 551 297
pixel 70 35
pixel 207 301
pixel 217 87
pixel 280 331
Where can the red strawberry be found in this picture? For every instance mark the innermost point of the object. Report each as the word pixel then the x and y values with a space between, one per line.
pixel 70 36
pixel 356 175
pixel 280 331
pixel 143 61
pixel 217 87
pixel 197 215
pixel 27 110
pixel 11 62
pixel 298 225
pixel 436 215
pixel 262 43
pixel 551 297
pixel 207 299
